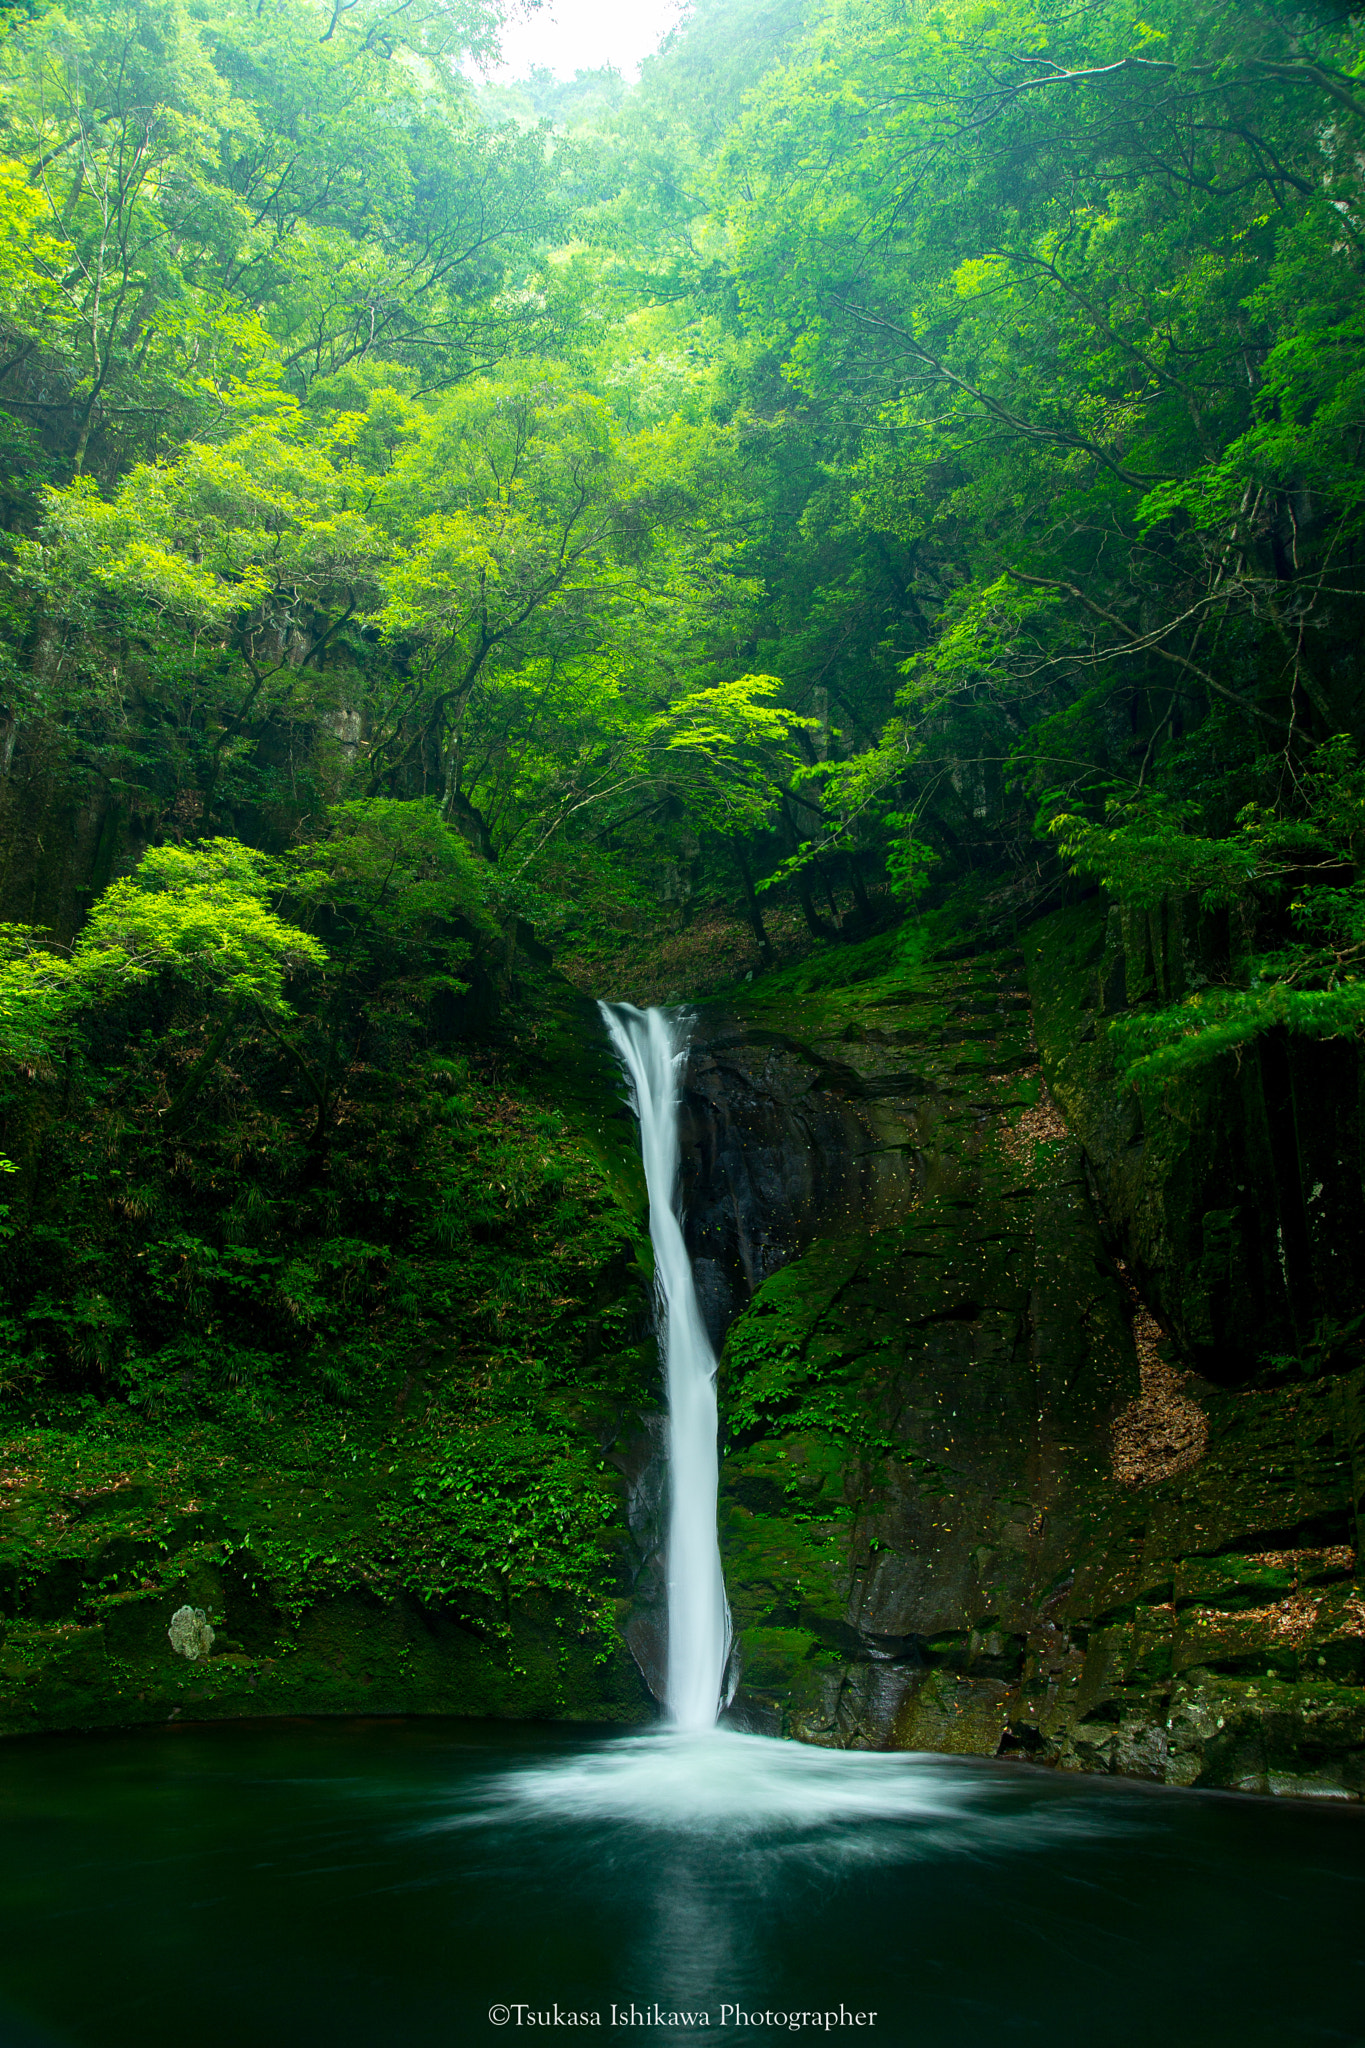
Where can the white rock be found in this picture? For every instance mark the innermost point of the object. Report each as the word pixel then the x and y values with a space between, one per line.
pixel 190 1633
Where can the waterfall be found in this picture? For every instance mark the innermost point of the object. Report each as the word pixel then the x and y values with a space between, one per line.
pixel 651 1045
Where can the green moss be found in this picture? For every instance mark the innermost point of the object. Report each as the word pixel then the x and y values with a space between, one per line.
pixel 919 1476
pixel 437 1523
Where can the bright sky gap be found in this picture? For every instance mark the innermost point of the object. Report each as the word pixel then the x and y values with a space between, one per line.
pixel 566 36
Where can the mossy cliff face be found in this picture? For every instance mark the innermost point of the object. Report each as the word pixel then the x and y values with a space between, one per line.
pixel 971 1499
pixel 1237 1191
pixel 450 1526
pixel 784 1140
pixel 970 1502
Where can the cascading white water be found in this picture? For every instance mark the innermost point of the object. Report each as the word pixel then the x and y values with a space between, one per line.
pixel 651 1045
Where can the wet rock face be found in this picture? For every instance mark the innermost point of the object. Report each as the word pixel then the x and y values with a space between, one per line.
pixel 783 1142
pixel 641 1457
pixel 950 1518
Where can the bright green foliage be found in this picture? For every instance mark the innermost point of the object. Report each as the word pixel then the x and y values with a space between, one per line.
pixel 508 1506
pixel 395 868
pixel 211 538
pixel 1081 286
pixel 29 258
pixel 1150 845
pixel 1160 1043
pixel 988 378
pixel 732 747
pixel 36 996
pixel 199 913
pixel 232 567
pixel 237 198
pixel 403 902
pixel 258 1222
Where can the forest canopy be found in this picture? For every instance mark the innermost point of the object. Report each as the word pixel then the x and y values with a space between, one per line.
pixel 892 448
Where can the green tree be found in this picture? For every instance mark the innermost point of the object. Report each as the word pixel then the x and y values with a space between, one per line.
pixel 196 916
pixel 1079 287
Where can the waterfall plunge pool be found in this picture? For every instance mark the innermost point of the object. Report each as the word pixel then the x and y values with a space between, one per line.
pixel 407 1884
pixel 385 1884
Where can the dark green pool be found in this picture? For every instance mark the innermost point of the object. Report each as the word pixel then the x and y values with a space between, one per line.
pixel 384 1885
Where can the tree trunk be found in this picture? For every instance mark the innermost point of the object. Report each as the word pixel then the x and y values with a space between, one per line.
pixel 815 924
pixel 837 922
pixel 859 892
pixel 198 1074
pixel 755 915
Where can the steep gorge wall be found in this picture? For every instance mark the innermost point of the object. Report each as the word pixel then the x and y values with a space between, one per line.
pixel 1237 1191
pixel 973 1497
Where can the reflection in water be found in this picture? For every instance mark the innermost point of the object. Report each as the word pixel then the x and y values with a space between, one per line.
pixel 695 1946
pixel 385 1886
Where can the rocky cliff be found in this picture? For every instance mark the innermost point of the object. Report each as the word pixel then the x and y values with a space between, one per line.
pixel 983 1490
pixel 1026 1453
